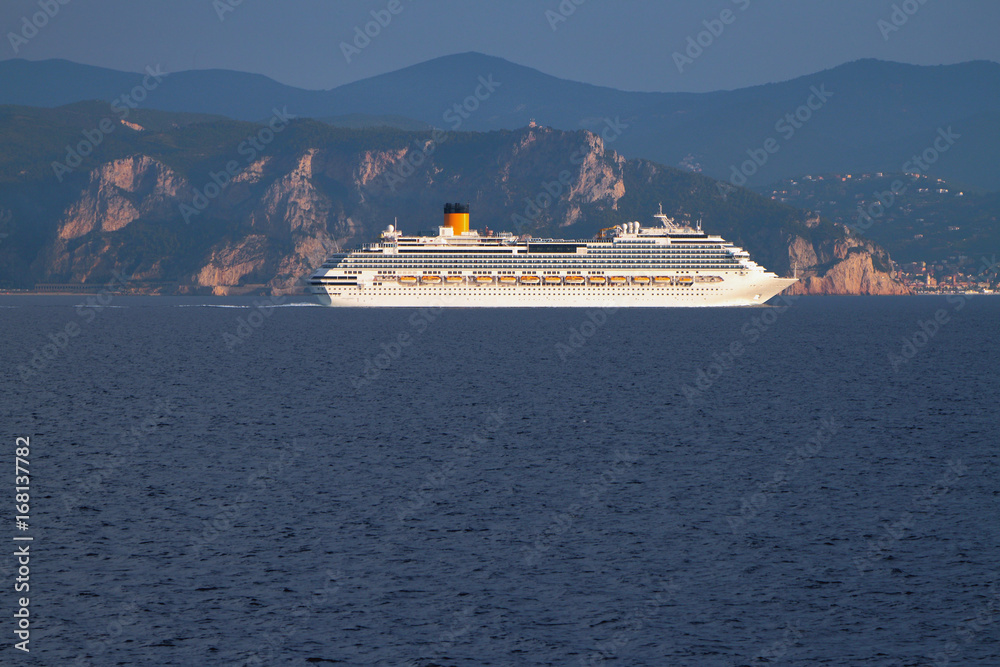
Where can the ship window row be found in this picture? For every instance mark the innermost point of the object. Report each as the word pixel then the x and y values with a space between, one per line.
pixel 617 262
pixel 641 251
pixel 564 267
pixel 658 252
pixel 528 265
pixel 532 265
pixel 554 260
pixel 550 267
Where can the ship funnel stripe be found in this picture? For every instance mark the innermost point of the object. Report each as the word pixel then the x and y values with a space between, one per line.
pixel 456 216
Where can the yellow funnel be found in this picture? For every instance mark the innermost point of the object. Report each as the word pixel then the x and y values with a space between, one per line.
pixel 456 216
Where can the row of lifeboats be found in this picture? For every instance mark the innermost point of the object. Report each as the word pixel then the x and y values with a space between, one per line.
pixel 529 279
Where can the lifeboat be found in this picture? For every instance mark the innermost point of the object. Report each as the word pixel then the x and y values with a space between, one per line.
pixel 431 280
pixel 662 280
pixel 553 280
pixel 484 280
pixel 598 280
pixel 574 280
pixel 530 280
pixel 453 280
pixel 618 280
pixel 408 280
pixel 685 280
pixel 508 280
pixel 708 279
pixel 640 280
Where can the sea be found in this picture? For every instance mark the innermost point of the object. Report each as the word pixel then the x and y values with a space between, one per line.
pixel 254 481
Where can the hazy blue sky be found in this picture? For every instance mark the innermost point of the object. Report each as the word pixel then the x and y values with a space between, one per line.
pixel 626 44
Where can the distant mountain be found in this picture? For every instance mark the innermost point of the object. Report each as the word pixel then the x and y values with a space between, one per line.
pixel 188 203
pixel 867 116
pixel 53 83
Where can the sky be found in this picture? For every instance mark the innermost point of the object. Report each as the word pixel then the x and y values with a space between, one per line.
pixel 627 44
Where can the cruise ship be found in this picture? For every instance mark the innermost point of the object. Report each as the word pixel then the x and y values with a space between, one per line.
pixel 629 265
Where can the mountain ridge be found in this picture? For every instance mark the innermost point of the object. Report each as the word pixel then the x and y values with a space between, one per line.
pixel 315 188
pixel 895 106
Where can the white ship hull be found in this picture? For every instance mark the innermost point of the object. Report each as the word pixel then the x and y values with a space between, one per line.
pixel 630 267
pixel 736 291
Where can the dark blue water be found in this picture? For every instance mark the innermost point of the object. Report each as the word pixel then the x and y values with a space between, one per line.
pixel 228 486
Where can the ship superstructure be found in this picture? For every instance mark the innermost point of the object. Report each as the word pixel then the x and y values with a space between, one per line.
pixel 628 265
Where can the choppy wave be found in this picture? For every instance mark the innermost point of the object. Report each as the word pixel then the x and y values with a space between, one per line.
pixel 531 487
pixel 248 306
pixel 295 305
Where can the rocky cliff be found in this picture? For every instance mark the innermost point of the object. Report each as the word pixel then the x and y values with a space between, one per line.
pixel 859 269
pixel 165 211
pixel 842 266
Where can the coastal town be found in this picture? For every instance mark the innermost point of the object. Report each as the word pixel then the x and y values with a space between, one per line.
pixel 939 234
pixel 958 274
